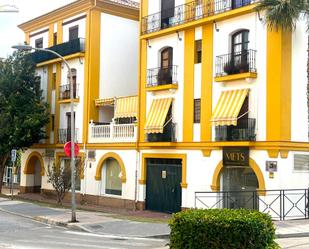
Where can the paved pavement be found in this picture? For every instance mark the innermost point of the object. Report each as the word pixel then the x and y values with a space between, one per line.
pixel 117 225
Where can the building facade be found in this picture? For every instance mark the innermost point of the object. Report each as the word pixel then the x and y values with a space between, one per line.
pixel 222 103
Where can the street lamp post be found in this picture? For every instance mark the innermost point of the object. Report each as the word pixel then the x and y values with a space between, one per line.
pixel 73 199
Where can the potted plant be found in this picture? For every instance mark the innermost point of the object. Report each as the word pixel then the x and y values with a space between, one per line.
pixel 229 68
pixel 243 66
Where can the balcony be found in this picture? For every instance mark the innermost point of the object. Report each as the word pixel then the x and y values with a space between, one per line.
pixel 244 131
pixel 236 65
pixel 162 78
pixel 188 12
pixel 168 135
pixel 64 135
pixel 64 49
pixel 110 133
pixel 65 91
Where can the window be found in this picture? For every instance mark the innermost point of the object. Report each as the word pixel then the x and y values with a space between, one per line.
pixel 240 42
pixel 52 122
pixel 301 162
pixel 165 74
pixel 198 52
pixel 197 110
pixel 167 11
pixel 55 38
pixel 39 43
pixel 112 173
pixel 73 33
pixel 54 81
pixel 37 85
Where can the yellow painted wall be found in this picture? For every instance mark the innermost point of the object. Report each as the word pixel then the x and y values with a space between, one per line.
pixel 188 104
pixel 278 113
pixel 207 79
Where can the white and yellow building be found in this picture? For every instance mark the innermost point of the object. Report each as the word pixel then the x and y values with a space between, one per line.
pixel 222 103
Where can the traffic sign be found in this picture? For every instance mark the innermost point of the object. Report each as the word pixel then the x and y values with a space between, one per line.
pixel 67 149
pixel 13 155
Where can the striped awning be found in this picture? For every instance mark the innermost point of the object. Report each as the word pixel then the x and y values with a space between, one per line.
pixel 126 107
pixel 157 115
pixel 104 102
pixel 228 107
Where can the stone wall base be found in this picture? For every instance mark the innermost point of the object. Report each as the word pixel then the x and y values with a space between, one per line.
pixel 29 189
pixel 103 201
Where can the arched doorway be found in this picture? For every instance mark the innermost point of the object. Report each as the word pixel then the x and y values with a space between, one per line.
pixel 34 170
pixel 239 185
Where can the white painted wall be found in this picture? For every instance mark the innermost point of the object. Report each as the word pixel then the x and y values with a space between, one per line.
pixel 154 6
pixel 299 108
pixel 119 56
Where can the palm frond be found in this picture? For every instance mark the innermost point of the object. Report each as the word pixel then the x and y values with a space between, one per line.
pixel 282 14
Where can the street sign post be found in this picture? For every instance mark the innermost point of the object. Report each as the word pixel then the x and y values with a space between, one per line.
pixel 13 159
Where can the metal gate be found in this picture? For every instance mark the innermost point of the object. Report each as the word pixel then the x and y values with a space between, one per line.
pixel 163 190
pixel 280 204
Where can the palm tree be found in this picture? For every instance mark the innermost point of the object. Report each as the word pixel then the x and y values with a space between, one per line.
pixel 284 14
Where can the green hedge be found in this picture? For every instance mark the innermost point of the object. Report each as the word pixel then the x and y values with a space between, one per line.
pixel 222 229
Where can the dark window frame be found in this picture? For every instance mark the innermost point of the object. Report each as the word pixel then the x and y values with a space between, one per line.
pixel 72 35
pixel 197 111
pixel 38 42
pixel 198 51
pixel 55 39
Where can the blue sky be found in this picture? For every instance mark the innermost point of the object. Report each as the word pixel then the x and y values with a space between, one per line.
pixel 28 9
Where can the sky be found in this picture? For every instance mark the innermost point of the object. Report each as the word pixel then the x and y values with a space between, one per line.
pixel 28 9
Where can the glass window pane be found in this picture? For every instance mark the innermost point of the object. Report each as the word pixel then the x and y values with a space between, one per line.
pixel 113 183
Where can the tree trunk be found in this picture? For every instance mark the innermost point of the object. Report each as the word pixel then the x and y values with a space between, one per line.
pixel 3 160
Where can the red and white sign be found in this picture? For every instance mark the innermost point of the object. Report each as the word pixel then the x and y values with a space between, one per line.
pixel 67 149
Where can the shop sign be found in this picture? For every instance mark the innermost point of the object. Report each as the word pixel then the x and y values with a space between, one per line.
pixel 236 156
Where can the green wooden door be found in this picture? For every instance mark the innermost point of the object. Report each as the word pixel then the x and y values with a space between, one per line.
pixel 163 190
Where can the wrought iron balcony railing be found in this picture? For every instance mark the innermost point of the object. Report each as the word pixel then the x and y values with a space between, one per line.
pixel 64 135
pixel 65 91
pixel 244 131
pixel 234 63
pixel 66 48
pixel 162 76
pixel 188 12
pixel 168 135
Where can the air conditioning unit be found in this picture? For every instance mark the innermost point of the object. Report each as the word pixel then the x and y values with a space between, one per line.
pixel 91 155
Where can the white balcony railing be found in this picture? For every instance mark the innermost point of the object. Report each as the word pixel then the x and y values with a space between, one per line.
pixel 112 133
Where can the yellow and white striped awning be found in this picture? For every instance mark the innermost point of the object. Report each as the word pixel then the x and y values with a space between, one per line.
pixel 126 107
pixel 104 102
pixel 228 107
pixel 157 115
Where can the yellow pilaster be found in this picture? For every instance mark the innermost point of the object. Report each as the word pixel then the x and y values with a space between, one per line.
pixel 59 32
pixel 278 97
pixel 92 68
pixel 27 38
pixel 142 77
pixel 206 91
pixel 51 35
pixel 49 91
pixel 188 97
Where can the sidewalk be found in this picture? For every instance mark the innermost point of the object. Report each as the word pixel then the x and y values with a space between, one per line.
pixel 134 224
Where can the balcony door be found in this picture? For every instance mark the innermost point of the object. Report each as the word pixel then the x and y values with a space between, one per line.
pixel 240 3
pixel 240 42
pixel 68 114
pixel 165 73
pixel 167 11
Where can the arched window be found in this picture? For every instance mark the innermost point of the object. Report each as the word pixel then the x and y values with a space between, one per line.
pixel 111 180
pixel 239 49
pixel 165 75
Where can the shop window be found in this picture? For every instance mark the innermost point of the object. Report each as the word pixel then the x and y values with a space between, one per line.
pixel 78 166
pixel 197 110
pixel 301 162
pixel 198 52
pixel 39 43
pixel 73 33
pixel 111 177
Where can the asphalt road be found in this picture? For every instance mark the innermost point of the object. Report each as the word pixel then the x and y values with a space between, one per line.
pixel 23 233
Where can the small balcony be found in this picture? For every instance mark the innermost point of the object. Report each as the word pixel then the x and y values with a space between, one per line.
pixel 65 91
pixel 244 131
pixel 236 65
pixel 168 135
pixel 64 49
pixel 188 12
pixel 110 133
pixel 162 78
pixel 64 135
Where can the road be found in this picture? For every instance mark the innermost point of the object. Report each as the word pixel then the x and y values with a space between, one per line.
pixel 22 233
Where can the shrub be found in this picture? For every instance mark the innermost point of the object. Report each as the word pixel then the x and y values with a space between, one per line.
pixel 222 229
